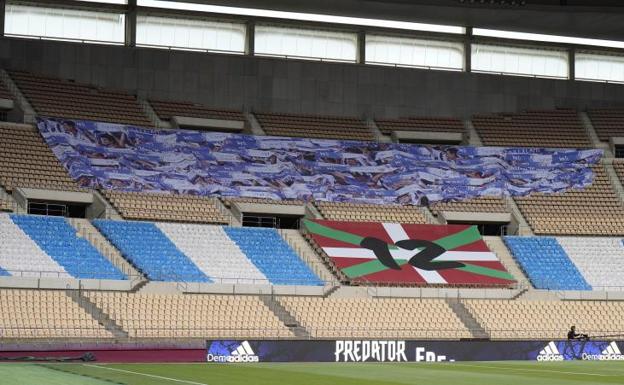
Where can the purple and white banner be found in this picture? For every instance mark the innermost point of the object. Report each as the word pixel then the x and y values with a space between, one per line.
pixel 128 158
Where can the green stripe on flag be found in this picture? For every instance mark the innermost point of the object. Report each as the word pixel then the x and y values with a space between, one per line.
pixel 338 235
pixel 369 267
pixel 462 238
pixel 476 269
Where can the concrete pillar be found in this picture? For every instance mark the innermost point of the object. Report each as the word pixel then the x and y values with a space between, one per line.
pixel 361 47
pixel 572 63
pixel 468 50
pixel 131 23
pixel 250 38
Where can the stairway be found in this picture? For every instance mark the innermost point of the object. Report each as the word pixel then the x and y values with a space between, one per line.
pixel 87 231
pixel 523 225
pixel 499 248
pixel 151 114
pixel 614 179
pixel 473 135
pixel 296 241
pixel 284 315
pixel 467 318
pixel 591 134
pixel 97 313
pixel 20 99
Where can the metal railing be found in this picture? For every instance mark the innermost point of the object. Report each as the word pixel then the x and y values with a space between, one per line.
pixel 142 332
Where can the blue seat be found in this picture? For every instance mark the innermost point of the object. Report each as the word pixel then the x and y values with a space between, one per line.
pixel 57 238
pixel 546 263
pixel 266 249
pixel 150 251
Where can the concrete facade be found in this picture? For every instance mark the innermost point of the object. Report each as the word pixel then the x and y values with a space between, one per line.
pixel 295 86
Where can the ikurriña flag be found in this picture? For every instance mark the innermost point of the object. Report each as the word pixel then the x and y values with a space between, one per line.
pixel 409 253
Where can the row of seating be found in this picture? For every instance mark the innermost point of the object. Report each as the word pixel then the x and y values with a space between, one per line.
pixel 376 318
pixel 191 316
pixel 43 246
pixel 32 314
pixel 45 314
pixel 26 161
pixel 51 96
pixel 166 207
pixel 546 320
pixel 205 253
pixel 557 128
pixel 595 210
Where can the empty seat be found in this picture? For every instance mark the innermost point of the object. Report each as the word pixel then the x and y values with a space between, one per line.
pixel 314 126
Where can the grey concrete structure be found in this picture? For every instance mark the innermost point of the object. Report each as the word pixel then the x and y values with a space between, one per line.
pixel 294 86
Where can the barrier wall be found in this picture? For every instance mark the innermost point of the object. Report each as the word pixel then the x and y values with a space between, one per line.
pixel 236 351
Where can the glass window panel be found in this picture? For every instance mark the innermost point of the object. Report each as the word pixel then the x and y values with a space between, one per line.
pixel 591 66
pixel 305 43
pixel 64 23
pixel 182 33
pixel 387 50
pixel 520 61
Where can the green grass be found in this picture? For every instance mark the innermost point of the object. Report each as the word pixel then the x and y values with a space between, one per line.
pixel 468 373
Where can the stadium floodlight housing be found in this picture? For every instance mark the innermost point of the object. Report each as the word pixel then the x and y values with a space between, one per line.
pixel 547 38
pixel 313 17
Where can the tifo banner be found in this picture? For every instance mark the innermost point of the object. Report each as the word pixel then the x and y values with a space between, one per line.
pixel 239 351
pixel 409 253
pixel 127 158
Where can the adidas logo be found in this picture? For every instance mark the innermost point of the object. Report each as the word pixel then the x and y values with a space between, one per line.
pixel 243 353
pixel 550 353
pixel 611 353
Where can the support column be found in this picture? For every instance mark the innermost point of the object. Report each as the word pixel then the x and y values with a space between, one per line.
pixel 468 50
pixel 361 47
pixel 131 23
pixel 250 38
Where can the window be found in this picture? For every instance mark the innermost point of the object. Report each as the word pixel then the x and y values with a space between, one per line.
pixel 64 23
pixel 305 43
pixel 190 34
pixel 387 50
pixel 589 66
pixel 520 61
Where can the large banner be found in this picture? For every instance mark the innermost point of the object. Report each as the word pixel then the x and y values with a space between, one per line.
pixel 127 158
pixel 238 351
pixel 409 253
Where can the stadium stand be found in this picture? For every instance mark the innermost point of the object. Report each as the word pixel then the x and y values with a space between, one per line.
pixel 190 315
pixel 26 161
pixel 165 207
pixel 145 246
pixel 204 253
pixel 599 259
pixel 168 109
pixel 309 126
pixel 48 246
pixel 386 126
pixel 544 319
pixel 63 98
pixel 595 210
pixel 28 314
pixel 376 318
pixel 478 205
pixel 607 122
pixel 273 256
pixel 373 213
pixel 546 263
pixel 558 128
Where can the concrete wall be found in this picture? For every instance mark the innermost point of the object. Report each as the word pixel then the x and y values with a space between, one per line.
pixel 269 84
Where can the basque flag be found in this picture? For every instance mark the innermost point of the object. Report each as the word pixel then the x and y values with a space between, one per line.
pixel 409 253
